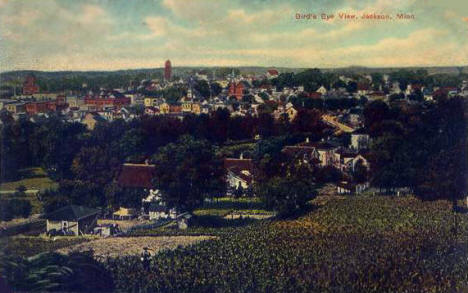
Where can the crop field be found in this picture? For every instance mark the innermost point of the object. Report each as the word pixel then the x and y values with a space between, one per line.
pixel 363 244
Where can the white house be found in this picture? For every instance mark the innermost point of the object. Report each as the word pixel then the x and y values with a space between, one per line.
pixel 322 90
pixel 359 140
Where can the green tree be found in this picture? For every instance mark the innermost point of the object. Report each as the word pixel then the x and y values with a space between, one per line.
pixel 203 88
pixel 286 196
pixel 187 172
pixel 216 89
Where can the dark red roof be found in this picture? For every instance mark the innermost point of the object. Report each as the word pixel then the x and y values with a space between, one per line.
pixel 294 150
pixel 136 175
pixel 450 88
pixel 362 86
pixel 241 164
pixel 314 95
pixel 273 72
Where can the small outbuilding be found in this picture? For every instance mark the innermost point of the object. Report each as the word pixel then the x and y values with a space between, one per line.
pixel 72 220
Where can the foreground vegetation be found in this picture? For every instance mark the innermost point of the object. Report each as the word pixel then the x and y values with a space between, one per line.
pixel 353 244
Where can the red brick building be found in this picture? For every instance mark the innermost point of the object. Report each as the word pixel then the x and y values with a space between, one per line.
pixel 107 102
pixel 29 86
pixel 33 108
pixel 237 90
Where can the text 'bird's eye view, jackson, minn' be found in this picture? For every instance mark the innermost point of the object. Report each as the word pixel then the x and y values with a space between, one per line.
pixel 233 146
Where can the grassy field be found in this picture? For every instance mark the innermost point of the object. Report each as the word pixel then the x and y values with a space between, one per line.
pixel 212 218
pixel 354 244
pixel 31 178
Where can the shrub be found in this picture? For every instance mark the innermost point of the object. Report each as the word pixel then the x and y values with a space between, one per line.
pixel 14 208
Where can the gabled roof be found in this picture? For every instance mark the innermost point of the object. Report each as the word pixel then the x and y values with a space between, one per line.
pixel 71 213
pixel 236 171
pixel 136 175
pixel 95 116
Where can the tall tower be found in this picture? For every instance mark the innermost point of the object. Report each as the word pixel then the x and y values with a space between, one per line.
pixel 167 70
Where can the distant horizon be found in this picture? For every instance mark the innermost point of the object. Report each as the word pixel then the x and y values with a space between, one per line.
pixel 244 66
pixel 90 35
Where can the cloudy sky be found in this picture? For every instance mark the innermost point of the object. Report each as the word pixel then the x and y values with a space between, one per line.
pixel 123 34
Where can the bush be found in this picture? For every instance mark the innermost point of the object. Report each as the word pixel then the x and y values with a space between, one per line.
pixel 14 208
pixel 77 272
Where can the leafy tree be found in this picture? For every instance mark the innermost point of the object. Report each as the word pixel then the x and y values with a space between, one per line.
pixel 187 172
pixel 286 196
pixel 96 165
pixel 73 192
pixel 308 121
pixel 216 89
pixel 339 84
pixel 360 172
pixel 328 174
pixel 203 88
pixel 117 196
pixel 375 112
pixel 351 87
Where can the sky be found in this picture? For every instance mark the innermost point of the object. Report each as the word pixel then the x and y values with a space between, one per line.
pixel 125 34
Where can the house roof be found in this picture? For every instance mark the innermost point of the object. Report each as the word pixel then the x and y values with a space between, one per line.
pixel 136 175
pixel 242 164
pixel 273 72
pixel 295 150
pixel 95 116
pixel 248 178
pixel 125 212
pixel 346 185
pixel 71 213
pixel 314 95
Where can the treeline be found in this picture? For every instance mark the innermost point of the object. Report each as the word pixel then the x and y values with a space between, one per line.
pixel 312 79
